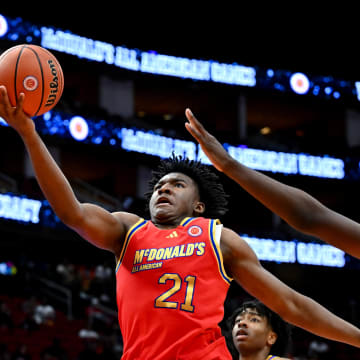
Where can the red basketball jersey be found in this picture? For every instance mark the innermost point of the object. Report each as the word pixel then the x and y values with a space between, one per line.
pixel 171 288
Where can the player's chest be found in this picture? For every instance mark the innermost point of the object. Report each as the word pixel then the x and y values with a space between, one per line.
pixel 164 249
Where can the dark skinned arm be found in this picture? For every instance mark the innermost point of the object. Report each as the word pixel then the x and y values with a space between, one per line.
pixel 298 208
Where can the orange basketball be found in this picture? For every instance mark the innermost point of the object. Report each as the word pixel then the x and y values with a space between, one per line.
pixel 34 71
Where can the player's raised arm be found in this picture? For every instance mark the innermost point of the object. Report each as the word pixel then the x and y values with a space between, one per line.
pixel 242 264
pixel 298 208
pixel 95 224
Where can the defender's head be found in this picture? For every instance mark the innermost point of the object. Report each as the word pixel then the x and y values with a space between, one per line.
pixel 254 327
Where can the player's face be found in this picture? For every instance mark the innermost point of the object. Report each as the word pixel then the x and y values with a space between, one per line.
pixel 252 333
pixel 175 196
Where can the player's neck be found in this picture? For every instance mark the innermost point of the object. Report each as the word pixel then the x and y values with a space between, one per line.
pixel 260 355
pixel 165 226
pixel 167 223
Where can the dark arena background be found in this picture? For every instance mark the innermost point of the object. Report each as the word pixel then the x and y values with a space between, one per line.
pixel 285 105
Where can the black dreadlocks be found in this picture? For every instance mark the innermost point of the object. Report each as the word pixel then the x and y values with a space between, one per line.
pixel 211 191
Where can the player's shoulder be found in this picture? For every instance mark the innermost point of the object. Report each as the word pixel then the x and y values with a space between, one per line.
pixel 127 219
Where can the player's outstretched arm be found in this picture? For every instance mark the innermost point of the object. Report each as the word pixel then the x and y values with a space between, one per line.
pixel 298 208
pixel 242 264
pixel 95 224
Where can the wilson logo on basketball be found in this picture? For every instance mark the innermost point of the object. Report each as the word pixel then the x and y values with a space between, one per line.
pixel 30 83
pixel 54 84
pixel 194 230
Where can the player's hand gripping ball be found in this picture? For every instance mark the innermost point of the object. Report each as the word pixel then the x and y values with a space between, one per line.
pixel 34 71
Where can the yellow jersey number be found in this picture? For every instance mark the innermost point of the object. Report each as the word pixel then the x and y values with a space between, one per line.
pixel 189 281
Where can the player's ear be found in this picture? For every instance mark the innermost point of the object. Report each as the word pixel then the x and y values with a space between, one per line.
pixel 272 337
pixel 199 207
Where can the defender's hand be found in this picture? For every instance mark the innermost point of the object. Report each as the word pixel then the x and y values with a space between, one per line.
pixel 209 144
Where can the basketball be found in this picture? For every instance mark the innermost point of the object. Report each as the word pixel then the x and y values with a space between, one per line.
pixel 36 72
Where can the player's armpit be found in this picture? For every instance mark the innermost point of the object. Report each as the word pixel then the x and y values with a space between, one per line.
pixel 102 228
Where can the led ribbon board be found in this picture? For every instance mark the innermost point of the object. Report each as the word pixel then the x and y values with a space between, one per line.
pixel 234 74
pixel 104 133
pixel 296 251
pixel 24 210
pixel 19 208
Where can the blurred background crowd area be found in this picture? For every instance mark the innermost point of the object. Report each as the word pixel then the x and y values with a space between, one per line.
pixel 58 292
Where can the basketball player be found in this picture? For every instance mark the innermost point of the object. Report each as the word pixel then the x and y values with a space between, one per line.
pixel 257 332
pixel 296 207
pixel 173 271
